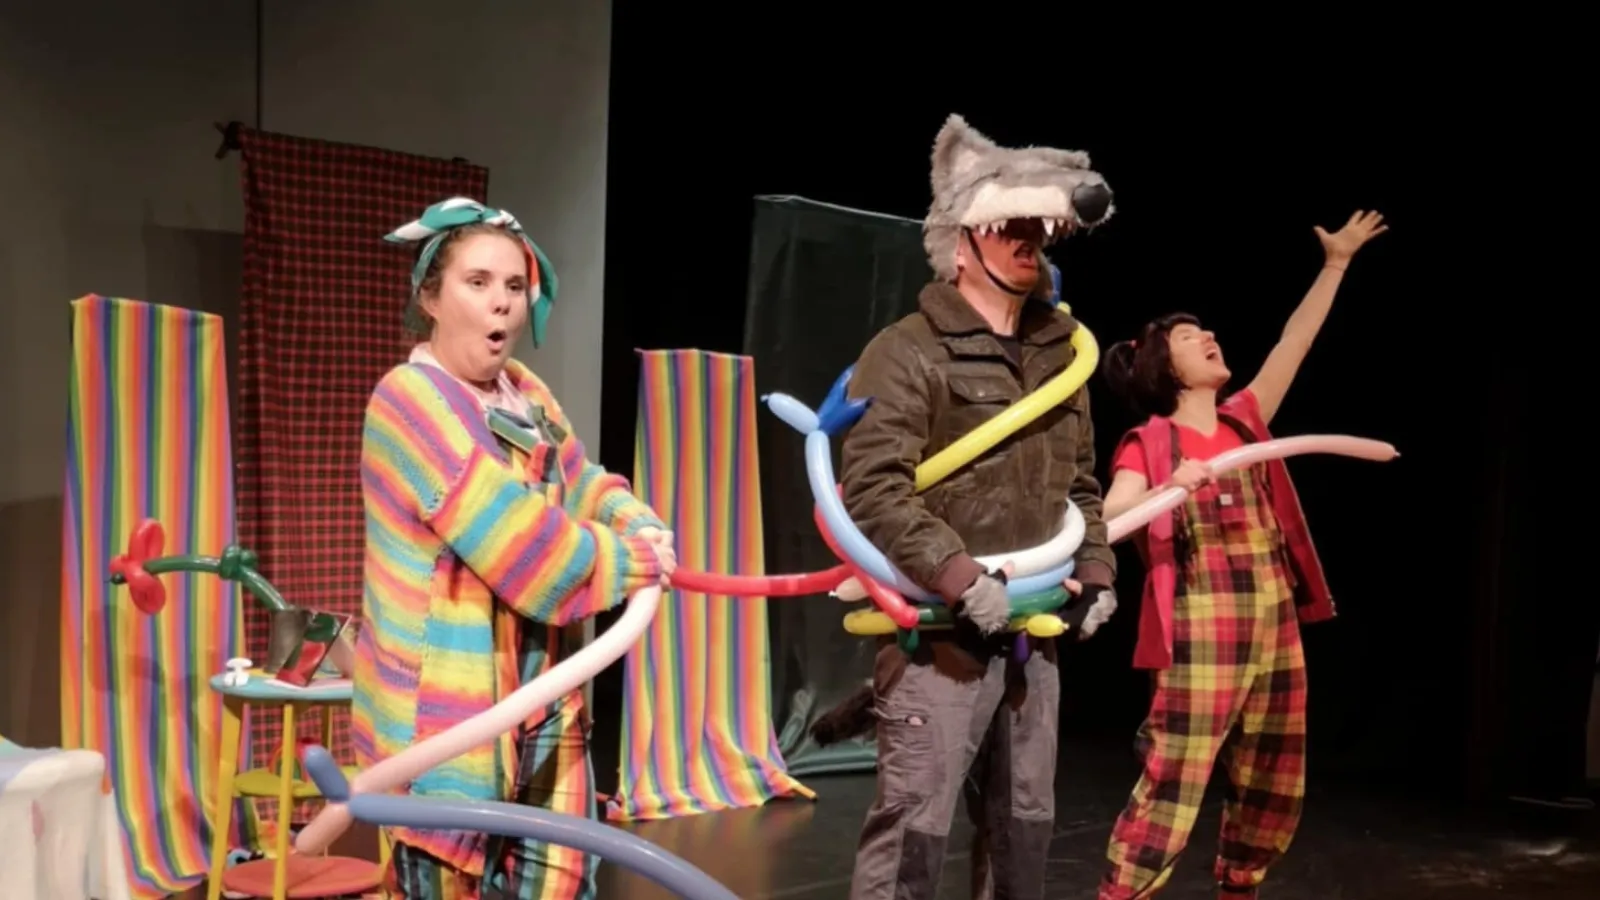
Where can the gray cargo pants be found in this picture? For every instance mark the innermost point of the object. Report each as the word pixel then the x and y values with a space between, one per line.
pixel 961 717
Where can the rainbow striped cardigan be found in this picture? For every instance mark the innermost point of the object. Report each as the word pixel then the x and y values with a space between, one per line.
pixel 466 542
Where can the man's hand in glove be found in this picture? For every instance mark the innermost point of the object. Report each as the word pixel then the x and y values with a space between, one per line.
pixel 986 603
pixel 1089 607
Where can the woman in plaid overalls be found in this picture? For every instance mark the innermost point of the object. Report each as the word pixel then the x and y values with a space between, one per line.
pixel 1230 576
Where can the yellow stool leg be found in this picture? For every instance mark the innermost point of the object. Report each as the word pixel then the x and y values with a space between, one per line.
pixel 287 756
pixel 222 808
pixel 327 728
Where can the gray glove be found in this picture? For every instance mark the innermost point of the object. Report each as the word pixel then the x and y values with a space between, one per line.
pixel 986 604
pixel 1086 612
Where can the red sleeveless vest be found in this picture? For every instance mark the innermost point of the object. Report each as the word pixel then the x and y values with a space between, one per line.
pixel 1155 541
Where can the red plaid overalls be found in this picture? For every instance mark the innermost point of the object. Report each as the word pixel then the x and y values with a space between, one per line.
pixel 1236 691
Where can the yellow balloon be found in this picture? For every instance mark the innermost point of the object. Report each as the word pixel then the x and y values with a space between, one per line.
pixel 1046 625
pixel 977 441
pixel 869 623
pixel 872 623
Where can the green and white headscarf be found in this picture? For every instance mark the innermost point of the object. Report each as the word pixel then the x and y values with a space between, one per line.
pixel 440 219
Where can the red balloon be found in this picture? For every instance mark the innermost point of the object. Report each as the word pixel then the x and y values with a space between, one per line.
pixel 760 585
pixel 146 543
pixel 886 598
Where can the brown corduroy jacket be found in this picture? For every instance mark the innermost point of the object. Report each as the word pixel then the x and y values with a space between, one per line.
pixel 935 375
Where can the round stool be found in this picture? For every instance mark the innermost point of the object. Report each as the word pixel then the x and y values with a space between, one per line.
pixel 284 876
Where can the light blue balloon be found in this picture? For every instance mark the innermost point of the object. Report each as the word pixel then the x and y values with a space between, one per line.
pixel 856 547
pixel 794 413
pixel 859 550
pixel 516 820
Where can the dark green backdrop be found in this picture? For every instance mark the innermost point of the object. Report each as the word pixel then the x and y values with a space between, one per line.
pixel 823 280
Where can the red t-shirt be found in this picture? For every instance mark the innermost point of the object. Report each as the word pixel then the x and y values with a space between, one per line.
pixel 1191 444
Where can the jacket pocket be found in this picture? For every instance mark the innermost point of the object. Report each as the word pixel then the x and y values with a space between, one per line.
pixel 977 395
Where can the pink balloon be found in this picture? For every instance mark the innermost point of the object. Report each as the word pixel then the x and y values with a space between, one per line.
pixel 1248 455
pixel 580 668
pixel 562 679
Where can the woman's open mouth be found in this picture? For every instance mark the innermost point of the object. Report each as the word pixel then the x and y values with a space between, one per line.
pixel 497 340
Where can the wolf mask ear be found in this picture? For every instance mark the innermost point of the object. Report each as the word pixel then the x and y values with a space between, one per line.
pixel 957 149
pixel 1067 159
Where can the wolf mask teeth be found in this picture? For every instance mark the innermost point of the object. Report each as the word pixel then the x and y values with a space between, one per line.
pixel 980 185
pixel 1051 227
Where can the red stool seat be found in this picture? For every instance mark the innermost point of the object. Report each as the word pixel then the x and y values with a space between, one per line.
pixel 310 877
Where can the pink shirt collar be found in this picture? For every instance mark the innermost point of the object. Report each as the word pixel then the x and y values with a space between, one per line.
pixel 505 395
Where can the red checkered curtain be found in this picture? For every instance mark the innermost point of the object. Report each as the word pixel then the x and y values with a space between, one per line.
pixel 321 322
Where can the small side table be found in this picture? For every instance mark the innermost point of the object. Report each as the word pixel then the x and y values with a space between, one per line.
pixel 283 877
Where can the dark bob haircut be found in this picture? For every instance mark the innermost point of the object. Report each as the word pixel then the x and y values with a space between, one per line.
pixel 1140 372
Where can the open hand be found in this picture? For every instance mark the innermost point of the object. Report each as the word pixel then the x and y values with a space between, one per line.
pixel 1342 244
pixel 1191 474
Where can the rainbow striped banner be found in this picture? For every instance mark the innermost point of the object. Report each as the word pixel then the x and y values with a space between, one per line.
pixel 148 437
pixel 697 730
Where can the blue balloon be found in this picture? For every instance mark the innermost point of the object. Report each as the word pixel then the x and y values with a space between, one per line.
pixel 836 393
pixel 794 413
pixel 515 820
pixel 819 472
pixel 838 413
pixel 838 419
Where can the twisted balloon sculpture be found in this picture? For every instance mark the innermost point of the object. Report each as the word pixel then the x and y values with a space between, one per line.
pixel 140 567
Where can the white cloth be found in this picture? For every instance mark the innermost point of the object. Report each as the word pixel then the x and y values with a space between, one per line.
pixel 60 838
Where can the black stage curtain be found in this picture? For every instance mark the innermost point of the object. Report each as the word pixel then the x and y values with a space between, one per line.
pixel 823 280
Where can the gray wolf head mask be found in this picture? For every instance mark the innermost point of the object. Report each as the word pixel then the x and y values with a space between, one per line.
pixel 980 185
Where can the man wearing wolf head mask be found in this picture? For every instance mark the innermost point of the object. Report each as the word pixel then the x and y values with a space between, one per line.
pixel 962 709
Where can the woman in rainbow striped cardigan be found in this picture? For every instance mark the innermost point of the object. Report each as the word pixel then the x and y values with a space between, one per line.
pixel 479 553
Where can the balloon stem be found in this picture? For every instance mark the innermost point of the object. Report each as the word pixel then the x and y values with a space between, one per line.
pixel 240 567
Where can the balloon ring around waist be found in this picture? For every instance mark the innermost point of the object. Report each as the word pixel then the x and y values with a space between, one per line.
pixel 1035 614
pixel 1032 561
pixel 1032 613
pixel 871 560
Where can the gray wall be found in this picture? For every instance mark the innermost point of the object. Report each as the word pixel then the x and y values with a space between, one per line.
pixel 108 186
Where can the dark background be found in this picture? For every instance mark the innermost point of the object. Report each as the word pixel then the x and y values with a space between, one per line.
pixel 1447 671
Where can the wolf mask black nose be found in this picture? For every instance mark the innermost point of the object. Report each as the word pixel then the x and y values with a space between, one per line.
pixel 1090 202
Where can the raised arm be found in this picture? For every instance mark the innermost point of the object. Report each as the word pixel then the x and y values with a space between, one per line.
pixel 878 469
pixel 418 453
pixel 1283 363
